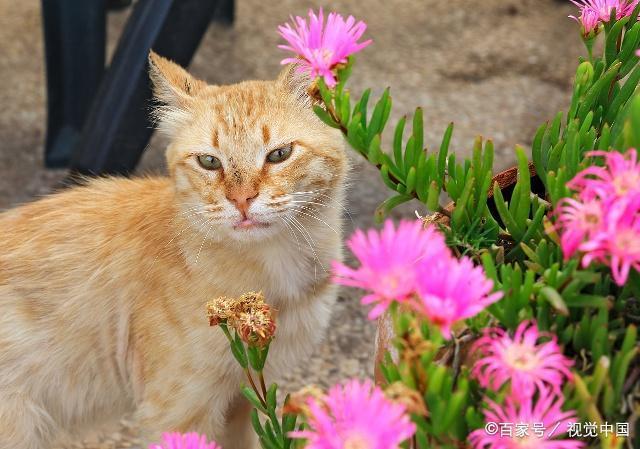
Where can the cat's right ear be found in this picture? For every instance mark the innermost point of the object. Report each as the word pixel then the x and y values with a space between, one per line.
pixel 172 85
pixel 296 82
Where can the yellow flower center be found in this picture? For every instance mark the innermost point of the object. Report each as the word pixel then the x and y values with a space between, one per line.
pixel 626 182
pixel 323 54
pixel 521 357
pixel 357 441
pixel 628 241
pixel 527 442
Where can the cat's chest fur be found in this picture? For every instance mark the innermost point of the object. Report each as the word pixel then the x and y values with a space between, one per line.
pixel 295 281
pixel 282 269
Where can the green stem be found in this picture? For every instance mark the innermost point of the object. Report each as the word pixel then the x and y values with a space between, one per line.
pixel 263 385
pixel 225 329
pixel 615 78
pixel 344 131
pixel 255 388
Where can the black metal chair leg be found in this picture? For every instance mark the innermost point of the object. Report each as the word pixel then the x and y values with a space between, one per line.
pixel 226 12
pixel 118 127
pixel 74 36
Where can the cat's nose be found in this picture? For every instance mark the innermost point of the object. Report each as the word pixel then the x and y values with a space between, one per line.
pixel 241 198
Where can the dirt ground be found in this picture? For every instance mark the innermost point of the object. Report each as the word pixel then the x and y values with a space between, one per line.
pixel 497 68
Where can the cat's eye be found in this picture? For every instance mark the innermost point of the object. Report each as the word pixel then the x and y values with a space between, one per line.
pixel 209 162
pixel 280 155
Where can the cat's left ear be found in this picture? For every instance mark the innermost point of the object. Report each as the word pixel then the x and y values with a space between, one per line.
pixel 297 83
pixel 172 85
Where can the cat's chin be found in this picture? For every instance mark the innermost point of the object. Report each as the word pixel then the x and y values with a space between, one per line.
pixel 251 230
pixel 250 224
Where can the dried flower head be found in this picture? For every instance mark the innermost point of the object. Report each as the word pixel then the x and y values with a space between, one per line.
pixel 224 309
pixel 414 345
pixel 298 403
pixel 251 299
pixel 256 325
pixel 221 309
pixel 411 399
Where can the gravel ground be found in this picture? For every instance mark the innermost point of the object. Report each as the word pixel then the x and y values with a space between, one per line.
pixel 497 68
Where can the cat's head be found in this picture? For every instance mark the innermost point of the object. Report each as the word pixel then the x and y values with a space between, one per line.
pixel 246 158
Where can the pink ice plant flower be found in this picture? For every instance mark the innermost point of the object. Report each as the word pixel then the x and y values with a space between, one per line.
pixel 617 243
pixel 356 415
pixel 320 47
pixel 603 222
pixel 177 440
pixel 595 12
pixel 450 290
pixel 542 419
pixel 524 361
pixel 619 177
pixel 579 221
pixel 388 261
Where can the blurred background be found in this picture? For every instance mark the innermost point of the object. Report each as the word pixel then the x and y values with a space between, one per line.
pixel 497 68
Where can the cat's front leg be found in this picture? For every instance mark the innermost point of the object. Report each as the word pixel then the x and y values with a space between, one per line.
pixel 238 431
pixel 174 407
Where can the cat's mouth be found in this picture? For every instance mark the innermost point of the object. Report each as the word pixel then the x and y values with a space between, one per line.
pixel 250 223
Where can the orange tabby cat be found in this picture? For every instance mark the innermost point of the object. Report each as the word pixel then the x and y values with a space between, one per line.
pixel 103 287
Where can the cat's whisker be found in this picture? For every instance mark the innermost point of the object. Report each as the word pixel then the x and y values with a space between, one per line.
pixel 207 209
pixel 315 255
pixel 342 206
pixel 191 209
pixel 303 192
pixel 301 196
pixel 317 203
pixel 290 230
pixel 189 215
pixel 317 193
pixel 310 240
pixel 188 226
pixel 204 239
pixel 316 218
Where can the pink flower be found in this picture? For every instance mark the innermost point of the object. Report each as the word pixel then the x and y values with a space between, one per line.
pixel 177 440
pixel 451 290
pixel 578 221
pixel 594 12
pixel 319 48
pixel 388 262
pixel 542 419
pixel 617 244
pixel 523 361
pixel 356 415
pixel 603 223
pixel 619 177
